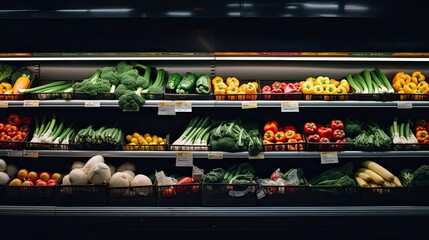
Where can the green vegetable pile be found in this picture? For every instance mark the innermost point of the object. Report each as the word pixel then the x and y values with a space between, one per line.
pixel 242 173
pixel 372 138
pixel 189 83
pixel 417 178
pixel 233 136
pixel 339 176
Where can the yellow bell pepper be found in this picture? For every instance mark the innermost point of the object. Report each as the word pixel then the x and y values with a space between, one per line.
pixel 324 81
pixel 232 81
pixel 401 76
pixel 311 79
pixel 216 80
pixel 398 85
pixel 422 84
pixel 345 84
pixel 417 77
pixel 331 89
pixel 4 86
pixel 308 88
pixel 341 90
pixel 424 89
pixel 318 89
pixel 334 81
pixel 409 88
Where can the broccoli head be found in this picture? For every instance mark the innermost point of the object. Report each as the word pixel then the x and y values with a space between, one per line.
pixel 110 73
pixel 421 176
pixel 6 72
pixel 226 144
pixel 93 85
pixel 120 90
pixel 130 101
pixel 406 175
pixel 122 67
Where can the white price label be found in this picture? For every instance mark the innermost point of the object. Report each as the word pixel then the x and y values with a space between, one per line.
pixel 31 103
pixel 30 154
pixel 166 108
pixel 249 105
pixel 183 106
pixel 4 104
pixel 184 159
pixel 259 156
pixel 328 157
pixel 215 155
pixel 92 103
pixel 290 106
pixel 14 153
pixel 405 105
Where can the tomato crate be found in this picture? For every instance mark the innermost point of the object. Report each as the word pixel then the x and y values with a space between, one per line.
pixel 376 96
pixel 264 95
pixel 333 195
pixel 14 145
pixel 131 196
pixel 179 195
pixel 385 196
pixel 31 195
pixel 284 196
pixel 222 194
pixel 412 97
pixel 81 195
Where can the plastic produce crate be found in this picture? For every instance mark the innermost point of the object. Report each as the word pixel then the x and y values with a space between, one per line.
pixel 412 97
pixel 189 96
pixel 220 194
pixel 81 195
pixel 376 96
pixel 131 196
pixel 15 145
pixel 384 196
pixel 332 146
pixel 20 96
pixel 241 97
pixel 410 147
pixel 179 195
pixel 32 195
pixel 284 196
pixel 333 195
pixel 145 147
pixel 45 146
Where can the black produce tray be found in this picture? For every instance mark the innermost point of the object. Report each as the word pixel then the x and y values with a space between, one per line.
pixel 2 195
pixel 412 97
pixel 332 146
pixel 284 196
pixel 385 196
pixel 410 147
pixel 15 145
pixel 131 196
pixel 153 96
pixel 100 96
pixel 183 195
pixel 190 96
pixel 45 146
pixel 330 97
pixel 81 195
pixel 32 195
pixel 333 196
pixel 145 147
pixel 419 196
pixel 220 195
pixel 376 96
pixel 240 97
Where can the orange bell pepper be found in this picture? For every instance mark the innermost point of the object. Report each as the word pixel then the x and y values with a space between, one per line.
pixel 269 135
pixel 290 134
pixel 220 92
pixel 280 137
pixel 417 77
pixel 292 145
pixel 232 92
pixel 334 81
pixel 216 80
pixel 268 146
pixel 251 89
pixel 406 78
pixel 398 85
pixel 422 136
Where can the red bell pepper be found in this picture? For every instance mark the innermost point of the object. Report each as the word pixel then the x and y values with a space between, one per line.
pixel 290 88
pixel 271 125
pixel 324 140
pixel 298 87
pixel 337 124
pixel 184 181
pixel 420 122
pixel 325 132
pixel 289 127
pixel 266 92
pixel 14 119
pixel 419 128
pixel 338 134
pixel 1 127
pixel 276 85
pixel 310 128
pixel 340 144
pixel 313 138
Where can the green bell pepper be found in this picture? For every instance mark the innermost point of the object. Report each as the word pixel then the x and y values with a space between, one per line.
pixel 187 84
pixel 173 80
pixel 203 84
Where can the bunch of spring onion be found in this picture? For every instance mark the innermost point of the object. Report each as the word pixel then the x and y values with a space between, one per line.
pixel 102 135
pixel 401 133
pixel 196 135
pixel 50 90
pixel 50 130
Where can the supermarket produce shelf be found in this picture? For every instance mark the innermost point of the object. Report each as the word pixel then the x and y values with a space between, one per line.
pixel 204 154
pixel 215 103
pixel 329 211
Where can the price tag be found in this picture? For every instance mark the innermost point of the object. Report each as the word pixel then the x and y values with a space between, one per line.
pixel 14 153
pixel 249 105
pixel 4 104
pixel 166 108
pixel 290 106
pixel 328 157
pixel 405 105
pixel 30 154
pixel 31 103
pixel 215 155
pixel 259 156
pixel 184 159
pixel 183 106
pixel 92 103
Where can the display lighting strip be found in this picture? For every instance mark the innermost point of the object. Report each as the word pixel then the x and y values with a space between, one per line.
pixel 104 58
pixel 353 59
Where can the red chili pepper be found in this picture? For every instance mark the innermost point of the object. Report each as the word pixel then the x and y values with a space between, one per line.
pixel 12 131
pixel 325 132
pixel 338 134
pixel 14 119
pixel 26 120
pixel 310 128
pixel 271 125
pixel 313 138
pixel 337 124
